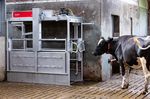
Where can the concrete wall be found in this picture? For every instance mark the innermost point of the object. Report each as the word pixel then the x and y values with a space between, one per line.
pixel 2 40
pixel 126 11
pixel 2 58
pixel 2 17
pixel 143 23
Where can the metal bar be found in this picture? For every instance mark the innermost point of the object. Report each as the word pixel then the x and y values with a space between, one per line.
pixel 82 66
pixel 42 1
pixel 87 23
pixel 21 39
pixel 17 23
pixel 68 51
pixel 20 19
pixel 76 33
pixel 52 39
pixel 24 44
pixel 81 54
pixel 27 49
pixel 82 31
pixel 55 18
pixel 63 18
pixel 74 39
pixel 73 59
pixel 37 72
pixel 40 36
pixel 36 33
pixel 7 47
pixel 30 33
pixel 52 50
pixel 22 26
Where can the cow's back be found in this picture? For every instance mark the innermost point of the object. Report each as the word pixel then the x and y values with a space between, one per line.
pixel 128 50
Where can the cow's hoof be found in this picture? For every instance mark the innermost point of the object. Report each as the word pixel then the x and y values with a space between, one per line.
pixel 125 86
pixel 144 92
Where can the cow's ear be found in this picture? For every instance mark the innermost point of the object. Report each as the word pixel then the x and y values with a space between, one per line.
pixel 109 39
pixel 101 37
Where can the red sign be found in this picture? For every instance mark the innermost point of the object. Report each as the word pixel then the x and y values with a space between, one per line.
pixel 21 14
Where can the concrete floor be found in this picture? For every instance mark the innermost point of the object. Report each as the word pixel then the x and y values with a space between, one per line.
pixel 102 90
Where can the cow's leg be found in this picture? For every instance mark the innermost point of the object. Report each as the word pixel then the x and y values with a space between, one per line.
pixel 125 77
pixel 125 80
pixel 127 74
pixel 146 74
pixel 146 85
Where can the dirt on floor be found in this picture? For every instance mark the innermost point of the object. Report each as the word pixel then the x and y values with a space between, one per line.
pixel 87 90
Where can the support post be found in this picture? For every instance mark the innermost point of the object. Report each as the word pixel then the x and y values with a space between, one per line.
pixel 36 34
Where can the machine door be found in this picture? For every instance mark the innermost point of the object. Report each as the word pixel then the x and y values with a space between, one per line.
pixel 20 49
pixel 76 55
pixel 52 47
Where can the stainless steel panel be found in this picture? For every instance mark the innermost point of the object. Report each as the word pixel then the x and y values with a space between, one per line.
pixel 52 62
pixel 38 78
pixel 22 61
pixel 62 80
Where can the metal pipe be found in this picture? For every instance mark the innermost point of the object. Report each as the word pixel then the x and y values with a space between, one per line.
pixel 76 35
pixel 77 68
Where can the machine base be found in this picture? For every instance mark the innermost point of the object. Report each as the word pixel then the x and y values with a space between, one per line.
pixel 56 79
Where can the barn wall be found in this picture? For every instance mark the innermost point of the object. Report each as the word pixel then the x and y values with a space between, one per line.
pixel 2 58
pixel 2 17
pixel 2 40
pixel 90 11
pixel 125 11
pixel 143 23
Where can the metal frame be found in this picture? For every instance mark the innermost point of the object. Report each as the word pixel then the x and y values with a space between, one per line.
pixel 62 78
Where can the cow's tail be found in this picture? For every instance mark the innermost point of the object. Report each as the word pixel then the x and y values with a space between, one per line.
pixel 136 67
pixel 143 52
pixel 139 45
pixel 146 48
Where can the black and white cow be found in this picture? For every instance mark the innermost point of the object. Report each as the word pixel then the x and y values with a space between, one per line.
pixel 127 50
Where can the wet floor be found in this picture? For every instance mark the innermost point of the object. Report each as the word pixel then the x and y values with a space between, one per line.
pixel 102 90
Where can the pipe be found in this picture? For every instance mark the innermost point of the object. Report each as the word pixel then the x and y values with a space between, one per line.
pixel 77 68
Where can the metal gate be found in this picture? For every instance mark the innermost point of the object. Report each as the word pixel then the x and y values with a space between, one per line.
pixel 44 48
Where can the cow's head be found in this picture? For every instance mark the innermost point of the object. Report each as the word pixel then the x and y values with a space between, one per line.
pixel 102 46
